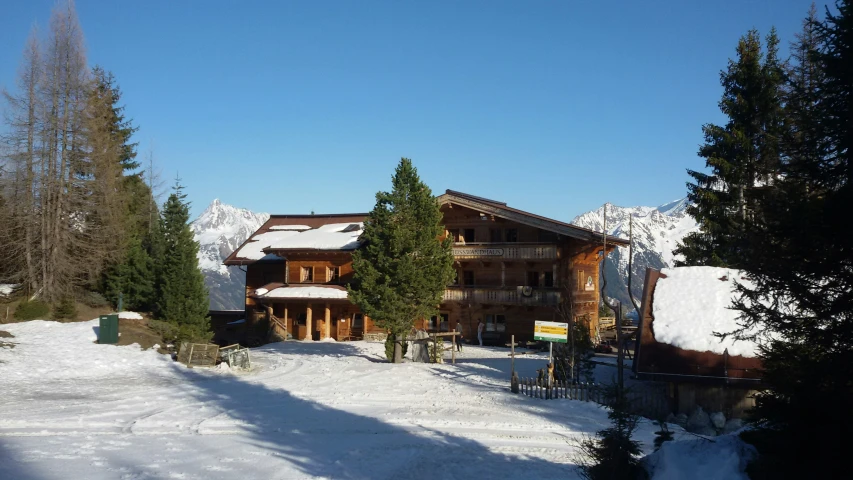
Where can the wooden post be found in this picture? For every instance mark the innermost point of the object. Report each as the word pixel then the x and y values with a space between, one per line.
pixel 327 328
pixel 309 335
pixel 285 322
pixel 512 355
pixel 190 357
pixel 620 352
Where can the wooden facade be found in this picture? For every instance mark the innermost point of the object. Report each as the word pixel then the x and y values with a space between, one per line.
pixel 512 268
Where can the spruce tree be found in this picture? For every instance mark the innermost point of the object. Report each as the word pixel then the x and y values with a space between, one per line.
pixel 800 266
pixel 743 156
pixel 183 298
pixel 403 266
pixel 613 454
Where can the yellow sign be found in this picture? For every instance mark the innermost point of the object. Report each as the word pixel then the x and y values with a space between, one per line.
pixel 551 331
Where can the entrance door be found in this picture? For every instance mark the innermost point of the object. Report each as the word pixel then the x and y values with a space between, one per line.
pixel 357 325
pixel 333 329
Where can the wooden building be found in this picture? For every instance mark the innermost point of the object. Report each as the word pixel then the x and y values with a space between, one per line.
pixel 512 268
pixel 718 382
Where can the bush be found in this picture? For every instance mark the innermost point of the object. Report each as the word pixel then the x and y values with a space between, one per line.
pixel 168 331
pixel 193 334
pixel 66 310
pixel 174 334
pixel 436 351
pixel 94 300
pixel 389 348
pixel 33 310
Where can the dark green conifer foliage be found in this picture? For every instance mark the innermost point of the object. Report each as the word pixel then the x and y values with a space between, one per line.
pixel 135 276
pixel 120 127
pixel 403 266
pixel 743 156
pixel 183 297
pixel 800 263
pixel 613 454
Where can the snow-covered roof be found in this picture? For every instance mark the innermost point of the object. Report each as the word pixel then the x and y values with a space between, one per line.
pixel 290 227
pixel 332 236
pixel 331 292
pixel 691 304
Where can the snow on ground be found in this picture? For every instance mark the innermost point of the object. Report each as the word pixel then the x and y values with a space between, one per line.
pixel 75 409
pixel 692 304
pixel 130 316
pixel 720 458
pixel 7 288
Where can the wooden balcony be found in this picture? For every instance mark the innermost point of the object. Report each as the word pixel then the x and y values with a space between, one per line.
pixel 502 296
pixel 505 251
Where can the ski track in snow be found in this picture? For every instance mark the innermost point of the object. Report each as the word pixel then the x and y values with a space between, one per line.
pixel 74 409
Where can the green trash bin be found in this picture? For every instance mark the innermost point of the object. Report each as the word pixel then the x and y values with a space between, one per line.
pixel 108 328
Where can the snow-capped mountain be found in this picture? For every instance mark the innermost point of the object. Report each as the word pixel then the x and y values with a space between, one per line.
pixel 219 230
pixel 657 231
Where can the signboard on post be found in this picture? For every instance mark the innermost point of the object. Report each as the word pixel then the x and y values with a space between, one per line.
pixel 551 331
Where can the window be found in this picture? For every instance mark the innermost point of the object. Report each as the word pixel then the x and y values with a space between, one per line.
pixel 549 279
pixel 495 235
pixel 439 322
pixel 511 235
pixel 469 235
pixel 302 319
pixel 581 278
pixel 495 323
pixel 357 321
pixel 333 274
pixel 453 234
pixel 532 279
pixel 307 274
pixel 468 277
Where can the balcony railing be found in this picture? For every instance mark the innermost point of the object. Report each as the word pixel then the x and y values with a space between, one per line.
pixel 503 296
pixel 503 251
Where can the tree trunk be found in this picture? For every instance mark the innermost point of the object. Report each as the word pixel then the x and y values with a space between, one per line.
pixel 398 349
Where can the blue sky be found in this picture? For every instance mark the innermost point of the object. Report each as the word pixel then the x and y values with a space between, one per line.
pixel 286 107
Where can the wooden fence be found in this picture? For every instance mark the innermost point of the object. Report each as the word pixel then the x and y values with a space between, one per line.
pixel 647 402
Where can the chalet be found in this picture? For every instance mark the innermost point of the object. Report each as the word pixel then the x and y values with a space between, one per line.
pixel 682 311
pixel 512 268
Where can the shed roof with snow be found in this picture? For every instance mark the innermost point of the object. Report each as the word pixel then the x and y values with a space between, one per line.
pixel 683 312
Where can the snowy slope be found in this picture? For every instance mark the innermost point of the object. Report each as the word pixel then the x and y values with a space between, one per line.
pixel 657 231
pixel 309 410
pixel 75 409
pixel 219 230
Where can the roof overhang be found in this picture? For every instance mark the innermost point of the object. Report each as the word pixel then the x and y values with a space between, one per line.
pixel 501 210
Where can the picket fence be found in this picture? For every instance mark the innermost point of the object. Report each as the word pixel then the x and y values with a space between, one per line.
pixel 647 402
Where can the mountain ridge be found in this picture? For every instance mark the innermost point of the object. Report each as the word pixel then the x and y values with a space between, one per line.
pixel 220 230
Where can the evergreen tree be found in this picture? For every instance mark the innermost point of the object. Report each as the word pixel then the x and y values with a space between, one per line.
pixel 403 266
pixel 134 278
pixel 743 156
pixel 614 454
pixel 800 266
pixel 183 298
